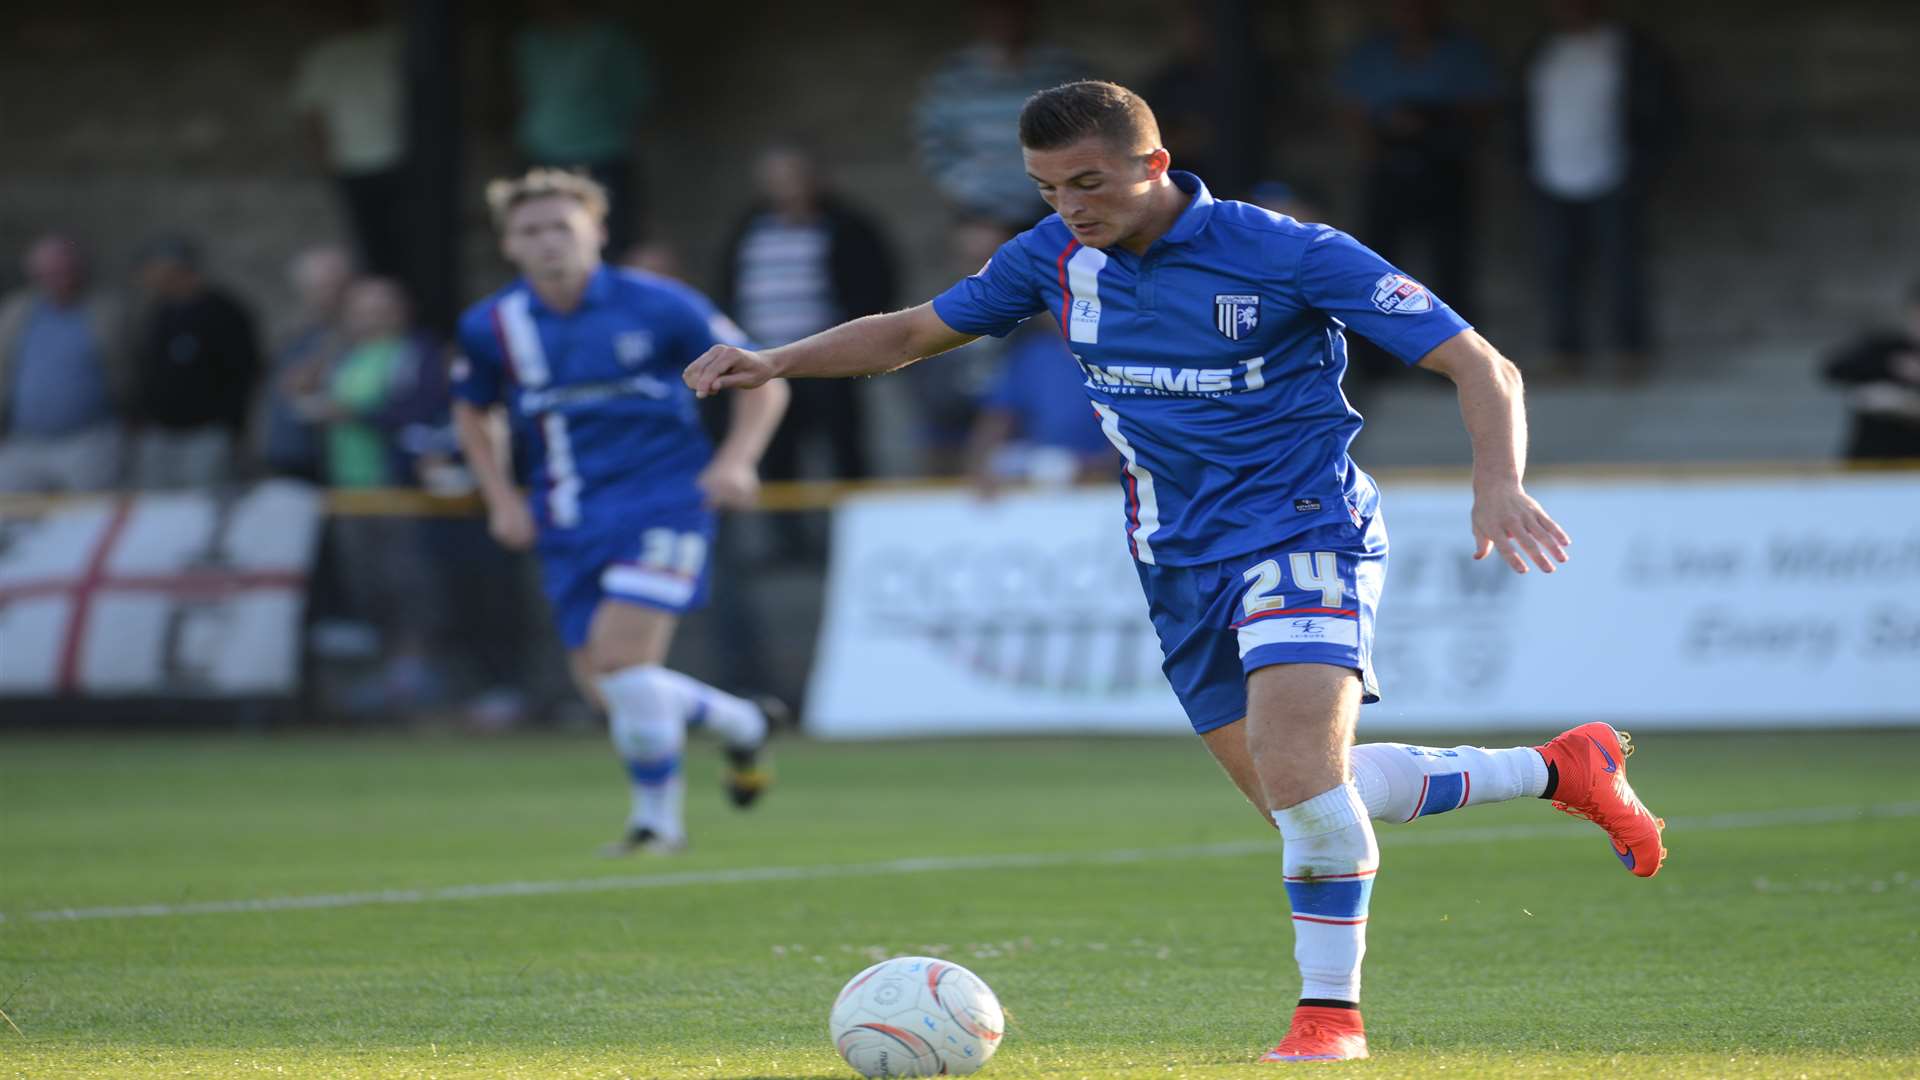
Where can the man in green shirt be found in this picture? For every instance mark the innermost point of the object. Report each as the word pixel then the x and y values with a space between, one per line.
pixel 583 82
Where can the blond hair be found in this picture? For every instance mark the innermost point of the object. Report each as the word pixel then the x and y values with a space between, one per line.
pixel 508 192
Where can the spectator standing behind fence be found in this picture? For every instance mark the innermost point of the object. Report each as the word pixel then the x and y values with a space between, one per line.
pixel 947 396
pixel 290 439
pixel 1034 424
pixel 195 368
pixel 583 83
pixel 387 383
pixel 800 261
pixel 351 102
pixel 1191 93
pixel 1881 372
pixel 969 109
pixel 1598 110
pixel 62 368
pixel 1418 95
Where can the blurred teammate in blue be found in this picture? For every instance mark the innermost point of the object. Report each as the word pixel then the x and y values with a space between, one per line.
pixel 623 483
pixel 1211 338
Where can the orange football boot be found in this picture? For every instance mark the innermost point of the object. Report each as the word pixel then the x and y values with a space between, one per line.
pixel 1592 762
pixel 1320 1033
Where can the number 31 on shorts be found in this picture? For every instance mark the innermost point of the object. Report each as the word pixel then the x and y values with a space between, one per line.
pixel 677 553
pixel 1318 570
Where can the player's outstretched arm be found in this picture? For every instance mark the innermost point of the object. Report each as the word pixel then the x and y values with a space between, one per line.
pixel 866 346
pixel 1505 517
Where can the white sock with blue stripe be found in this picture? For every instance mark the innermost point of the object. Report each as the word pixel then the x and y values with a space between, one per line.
pixel 737 721
pixel 1329 862
pixel 649 731
pixel 1399 782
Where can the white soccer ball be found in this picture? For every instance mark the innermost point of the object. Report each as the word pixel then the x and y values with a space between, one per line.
pixel 916 1016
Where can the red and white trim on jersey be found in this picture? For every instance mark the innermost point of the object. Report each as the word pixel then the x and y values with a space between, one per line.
pixel 526 361
pixel 563 478
pixel 1080 283
pixel 1143 508
pixel 1060 267
pixel 526 356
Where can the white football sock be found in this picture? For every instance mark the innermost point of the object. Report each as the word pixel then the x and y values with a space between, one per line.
pixel 737 721
pixel 1329 862
pixel 1400 782
pixel 649 733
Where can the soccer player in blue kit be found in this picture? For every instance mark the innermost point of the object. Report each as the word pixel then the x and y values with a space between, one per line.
pixel 624 481
pixel 1211 336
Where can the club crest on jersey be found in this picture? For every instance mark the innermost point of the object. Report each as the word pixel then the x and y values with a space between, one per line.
pixel 1235 316
pixel 633 347
pixel 1398 294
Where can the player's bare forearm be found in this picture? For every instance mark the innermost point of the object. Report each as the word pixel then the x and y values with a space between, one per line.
pixel 868 346
pixel 475 431
pixel 1493 405
pixel 755 417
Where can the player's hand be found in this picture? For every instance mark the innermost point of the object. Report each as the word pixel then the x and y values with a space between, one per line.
pixel 511 523
pixel 729 485
pixel 1511 522
pixel 725 367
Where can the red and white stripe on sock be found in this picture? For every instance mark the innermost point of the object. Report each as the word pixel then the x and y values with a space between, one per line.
pixel 1329 861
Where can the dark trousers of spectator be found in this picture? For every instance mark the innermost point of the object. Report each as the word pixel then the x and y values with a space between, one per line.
pixel 1883 438
pixel 1594 235
pixel 376 205
pixel 1578 237
pixel 827 409
pixel 1429 209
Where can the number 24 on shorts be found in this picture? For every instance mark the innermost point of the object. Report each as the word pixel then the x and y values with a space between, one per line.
pixel 1311 570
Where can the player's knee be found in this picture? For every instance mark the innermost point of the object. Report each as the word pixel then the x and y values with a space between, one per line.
pixel 642 717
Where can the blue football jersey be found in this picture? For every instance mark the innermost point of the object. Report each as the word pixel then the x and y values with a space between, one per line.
pixel 1214 363
pixel 603 426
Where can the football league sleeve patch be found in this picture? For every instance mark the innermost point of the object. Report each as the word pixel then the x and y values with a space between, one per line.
pixel 1343 278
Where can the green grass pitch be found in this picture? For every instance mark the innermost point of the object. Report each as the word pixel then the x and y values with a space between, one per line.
pixel 1116 894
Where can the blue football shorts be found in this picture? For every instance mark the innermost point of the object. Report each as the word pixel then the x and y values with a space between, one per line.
pixel 658 560
pixel 1309 599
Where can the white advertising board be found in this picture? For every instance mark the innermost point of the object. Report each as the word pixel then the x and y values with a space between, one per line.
pixel 1688 603
pixel 177 594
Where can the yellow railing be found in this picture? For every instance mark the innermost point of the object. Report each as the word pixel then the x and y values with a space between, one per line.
pixel 804 495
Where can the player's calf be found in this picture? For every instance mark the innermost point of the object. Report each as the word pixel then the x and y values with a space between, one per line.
pixel 650 737
pixel 1399 782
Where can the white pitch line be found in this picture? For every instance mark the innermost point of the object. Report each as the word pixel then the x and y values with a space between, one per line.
pixel 1754 819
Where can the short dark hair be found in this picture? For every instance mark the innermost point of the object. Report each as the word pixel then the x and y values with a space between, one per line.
pixel 1072 111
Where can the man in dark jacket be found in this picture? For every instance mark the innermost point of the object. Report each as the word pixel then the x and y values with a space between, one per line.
pixel 1598 110
pixel 800 261
pixel 1882 375
pixel 196 366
